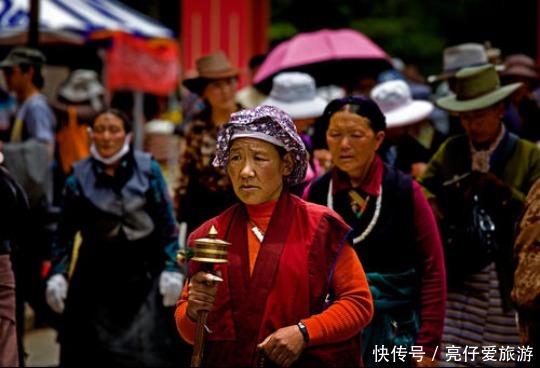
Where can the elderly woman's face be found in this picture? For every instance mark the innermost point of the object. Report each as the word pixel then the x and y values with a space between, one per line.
pixel 109 134
pixel 256 170
pixel 352 142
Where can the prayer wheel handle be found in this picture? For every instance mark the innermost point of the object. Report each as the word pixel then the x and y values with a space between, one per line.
pixel 208 251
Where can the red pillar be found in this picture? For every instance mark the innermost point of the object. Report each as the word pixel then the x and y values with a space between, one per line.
pixel 238 27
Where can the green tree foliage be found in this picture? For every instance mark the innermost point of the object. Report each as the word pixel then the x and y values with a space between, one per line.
pixel 417 31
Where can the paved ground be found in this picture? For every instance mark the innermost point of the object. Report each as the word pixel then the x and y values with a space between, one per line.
pixel 40 344
pixel 41 347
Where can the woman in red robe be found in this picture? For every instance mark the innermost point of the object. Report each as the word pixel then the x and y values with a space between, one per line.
pixel 293 290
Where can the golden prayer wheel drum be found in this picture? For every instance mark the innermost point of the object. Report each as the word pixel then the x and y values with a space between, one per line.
pixel 210 249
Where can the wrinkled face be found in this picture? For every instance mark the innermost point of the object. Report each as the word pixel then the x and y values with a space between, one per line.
pixel 109 134
pixel 256 170
pixel 352 142
pixel 221 93
pixel 482 126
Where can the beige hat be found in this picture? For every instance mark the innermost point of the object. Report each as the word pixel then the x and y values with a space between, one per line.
pixel 476 88
pixel 211 66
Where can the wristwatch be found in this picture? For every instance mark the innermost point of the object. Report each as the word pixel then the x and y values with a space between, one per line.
pixel 303 330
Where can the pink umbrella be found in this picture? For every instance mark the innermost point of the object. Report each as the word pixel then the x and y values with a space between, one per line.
pixel 330 56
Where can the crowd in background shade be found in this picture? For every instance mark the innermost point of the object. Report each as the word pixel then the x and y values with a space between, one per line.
pixel 396 162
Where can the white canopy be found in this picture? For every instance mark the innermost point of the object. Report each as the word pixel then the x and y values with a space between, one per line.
pixel 75 21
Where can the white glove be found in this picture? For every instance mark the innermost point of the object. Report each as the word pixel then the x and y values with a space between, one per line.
pixel 56 292
pixel 170 286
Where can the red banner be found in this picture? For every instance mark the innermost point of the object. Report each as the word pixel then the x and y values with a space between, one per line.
pixel 143 65
pixel 237 27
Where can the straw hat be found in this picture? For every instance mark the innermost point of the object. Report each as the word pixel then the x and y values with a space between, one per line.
pixel 476 88
pixel 296 94
pixel 395 100
pixel 211 66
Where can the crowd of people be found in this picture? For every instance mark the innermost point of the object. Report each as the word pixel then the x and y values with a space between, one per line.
pixel 396 225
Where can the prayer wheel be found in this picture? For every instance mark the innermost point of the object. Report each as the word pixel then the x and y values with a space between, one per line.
pixel 208 251
pixel 211 249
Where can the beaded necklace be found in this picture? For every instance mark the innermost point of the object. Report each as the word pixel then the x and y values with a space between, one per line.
pixel 371 225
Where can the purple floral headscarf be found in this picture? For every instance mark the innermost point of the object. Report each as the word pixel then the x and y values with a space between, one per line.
pixel 269 124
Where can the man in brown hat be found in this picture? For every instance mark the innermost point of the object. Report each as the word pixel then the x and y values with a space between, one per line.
pixel 202 191
pixel 492 167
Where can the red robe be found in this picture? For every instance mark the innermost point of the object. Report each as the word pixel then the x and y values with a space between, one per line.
pixel 289 283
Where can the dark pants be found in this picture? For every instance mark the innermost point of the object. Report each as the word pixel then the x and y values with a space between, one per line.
pixel 29 259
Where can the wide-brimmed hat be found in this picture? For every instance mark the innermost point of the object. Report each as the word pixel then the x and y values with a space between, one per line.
pixel 520 71
pixel 296 94
pixel 267 123
pixel 395 100
pixel 419 91
pixel 476 88
pixel 520 59
pixel 521 65
pixel 82 85
pixel 458 57
pixel 211 66
pixel 23 55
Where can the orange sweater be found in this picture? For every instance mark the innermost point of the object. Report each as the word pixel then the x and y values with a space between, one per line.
pixel 348 281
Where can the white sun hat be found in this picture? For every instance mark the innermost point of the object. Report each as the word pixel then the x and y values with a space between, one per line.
pixel 296 94
pixel 395 101
pixel 83 85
